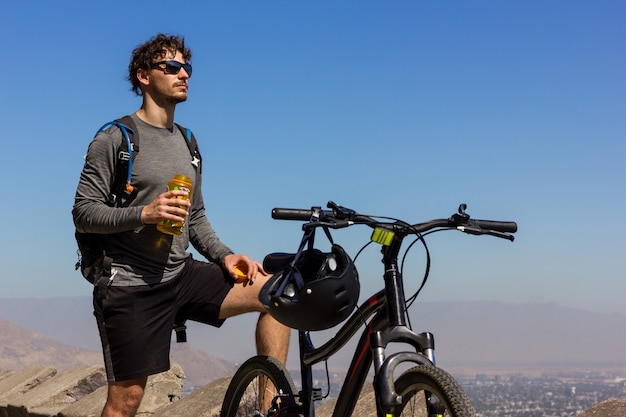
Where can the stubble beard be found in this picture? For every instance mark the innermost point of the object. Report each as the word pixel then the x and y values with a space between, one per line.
pixel 176 100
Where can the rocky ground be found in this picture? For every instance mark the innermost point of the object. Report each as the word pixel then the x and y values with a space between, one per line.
pixel 610 408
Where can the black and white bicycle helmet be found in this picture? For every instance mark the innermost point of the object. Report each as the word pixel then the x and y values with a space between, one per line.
pixel 316 291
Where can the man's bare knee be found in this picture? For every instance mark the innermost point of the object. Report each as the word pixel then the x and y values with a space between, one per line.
pixel 242 299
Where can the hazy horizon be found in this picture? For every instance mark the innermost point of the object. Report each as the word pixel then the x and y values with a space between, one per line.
pixel 469 333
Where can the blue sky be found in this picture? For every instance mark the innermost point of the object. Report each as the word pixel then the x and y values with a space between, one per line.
pixel 399 108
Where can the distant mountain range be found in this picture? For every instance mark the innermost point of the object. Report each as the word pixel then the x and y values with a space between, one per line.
pixel 469 335
pixel 20 348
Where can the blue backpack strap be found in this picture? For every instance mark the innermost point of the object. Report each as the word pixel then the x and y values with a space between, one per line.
pixel 124 158
pixel 192 144
pixel 129 149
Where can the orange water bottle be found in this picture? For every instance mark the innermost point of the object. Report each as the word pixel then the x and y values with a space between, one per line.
pixel 179 182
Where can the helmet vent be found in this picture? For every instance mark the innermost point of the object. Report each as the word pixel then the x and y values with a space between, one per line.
pixel 290 290
pixel 340 291
pixel 344 306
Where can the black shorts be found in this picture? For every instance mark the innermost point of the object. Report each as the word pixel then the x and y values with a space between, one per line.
pixel 136 323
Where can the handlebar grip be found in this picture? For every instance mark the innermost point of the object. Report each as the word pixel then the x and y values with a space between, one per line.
pixel 291 214
pixel 294 214
pixel 506 227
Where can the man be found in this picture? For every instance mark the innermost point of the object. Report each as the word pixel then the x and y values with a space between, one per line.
pixel 154 281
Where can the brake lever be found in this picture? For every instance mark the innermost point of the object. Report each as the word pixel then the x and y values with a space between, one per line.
pixel 473 230
pixel 334 224
pixel 501 235
pixel 340 211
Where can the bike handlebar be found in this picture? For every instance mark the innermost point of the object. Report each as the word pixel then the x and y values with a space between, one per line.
pixel 295 214
pixel 339 217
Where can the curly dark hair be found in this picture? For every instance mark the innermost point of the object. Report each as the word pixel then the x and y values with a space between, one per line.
pixel 155 49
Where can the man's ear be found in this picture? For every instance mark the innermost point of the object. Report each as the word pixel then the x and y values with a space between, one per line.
pixel 143 76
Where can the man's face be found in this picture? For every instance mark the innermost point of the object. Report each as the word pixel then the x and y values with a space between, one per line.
pixel 169 80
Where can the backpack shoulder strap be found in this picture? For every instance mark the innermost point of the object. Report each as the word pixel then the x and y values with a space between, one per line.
pixel 128 124
pixel 192 144
pixel 126 153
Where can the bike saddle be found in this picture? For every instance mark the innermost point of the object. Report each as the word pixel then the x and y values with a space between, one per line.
pixel 277 261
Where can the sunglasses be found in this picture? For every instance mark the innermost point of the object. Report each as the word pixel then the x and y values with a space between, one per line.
pixel 172 67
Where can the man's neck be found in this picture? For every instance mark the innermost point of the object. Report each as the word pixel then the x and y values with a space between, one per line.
pixel 155 115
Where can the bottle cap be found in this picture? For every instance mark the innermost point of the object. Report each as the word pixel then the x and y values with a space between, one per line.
pixel 242 272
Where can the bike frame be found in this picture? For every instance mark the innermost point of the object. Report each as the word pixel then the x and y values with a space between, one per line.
pixel 388 325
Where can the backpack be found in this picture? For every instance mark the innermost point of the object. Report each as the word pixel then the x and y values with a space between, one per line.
pixel 94 265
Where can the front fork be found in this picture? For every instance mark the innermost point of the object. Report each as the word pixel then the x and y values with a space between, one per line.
pixel 424 343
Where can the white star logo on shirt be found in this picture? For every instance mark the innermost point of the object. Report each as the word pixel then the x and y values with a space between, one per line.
pixel 195 161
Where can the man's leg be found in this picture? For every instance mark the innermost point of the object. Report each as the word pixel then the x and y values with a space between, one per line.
pixel 272 338
pixel 135 316
pixel 124 397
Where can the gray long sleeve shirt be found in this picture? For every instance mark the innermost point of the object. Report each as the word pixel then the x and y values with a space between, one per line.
pixel 141 254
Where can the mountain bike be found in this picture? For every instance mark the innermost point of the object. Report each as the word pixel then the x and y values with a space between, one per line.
pixel 263 387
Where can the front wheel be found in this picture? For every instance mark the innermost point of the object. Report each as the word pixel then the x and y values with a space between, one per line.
pixel 261 387
pixel 428 391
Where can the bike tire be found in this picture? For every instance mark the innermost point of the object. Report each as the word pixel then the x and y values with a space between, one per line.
pixel 415 384
pixel 243 399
